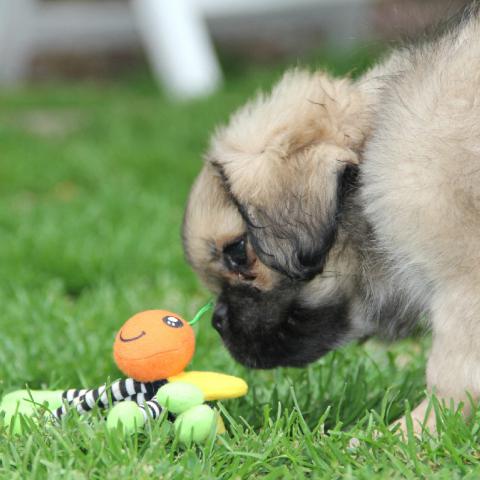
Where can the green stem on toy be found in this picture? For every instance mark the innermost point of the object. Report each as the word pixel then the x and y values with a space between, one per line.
pixel 202 312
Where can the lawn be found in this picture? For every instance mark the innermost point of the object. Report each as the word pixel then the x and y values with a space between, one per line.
pixel 93 182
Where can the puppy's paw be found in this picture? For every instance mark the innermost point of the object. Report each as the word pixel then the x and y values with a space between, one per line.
pixel 422 419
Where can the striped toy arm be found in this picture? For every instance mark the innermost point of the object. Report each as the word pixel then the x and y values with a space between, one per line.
pixel 86 399
pixel 150 409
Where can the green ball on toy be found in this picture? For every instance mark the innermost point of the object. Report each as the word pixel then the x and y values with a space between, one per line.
pixel 179 396
pixel 195 424
pixel 127 415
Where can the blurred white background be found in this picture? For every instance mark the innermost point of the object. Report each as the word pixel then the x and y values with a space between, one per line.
pixel 179 37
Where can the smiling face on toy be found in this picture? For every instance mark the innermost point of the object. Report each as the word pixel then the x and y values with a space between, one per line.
pixel 154 345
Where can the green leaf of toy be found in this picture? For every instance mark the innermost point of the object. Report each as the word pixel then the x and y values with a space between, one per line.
pixel 21 405
pixel 195 425
pixel 127 415
pixel 50 398
pixel 179 396
pixel 14 411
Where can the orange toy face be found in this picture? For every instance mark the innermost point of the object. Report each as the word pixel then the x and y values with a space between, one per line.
pixel 154 345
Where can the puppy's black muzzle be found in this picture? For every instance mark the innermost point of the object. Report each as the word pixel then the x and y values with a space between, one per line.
pixel 220 317
pixel 269 329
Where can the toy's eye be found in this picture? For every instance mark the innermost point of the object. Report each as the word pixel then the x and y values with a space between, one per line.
pixel 172 322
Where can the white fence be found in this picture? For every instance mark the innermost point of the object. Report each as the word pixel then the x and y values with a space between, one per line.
pixel 175 33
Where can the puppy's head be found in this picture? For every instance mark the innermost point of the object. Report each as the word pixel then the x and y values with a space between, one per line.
pixel 262 222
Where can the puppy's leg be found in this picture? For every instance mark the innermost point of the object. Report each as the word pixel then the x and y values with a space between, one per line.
pixel 454 364
pixel 446 251
pixel 453 372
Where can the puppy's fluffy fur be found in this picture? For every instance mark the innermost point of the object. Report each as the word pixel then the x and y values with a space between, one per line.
pixel 335 209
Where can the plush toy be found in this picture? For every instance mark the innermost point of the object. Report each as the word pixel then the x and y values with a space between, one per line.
pixel 152 348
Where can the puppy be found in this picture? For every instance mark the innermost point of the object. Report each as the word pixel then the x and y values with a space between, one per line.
pixel 331 210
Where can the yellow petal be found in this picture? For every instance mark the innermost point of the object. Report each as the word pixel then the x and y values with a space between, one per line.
pixel 215 386
pixel 220 425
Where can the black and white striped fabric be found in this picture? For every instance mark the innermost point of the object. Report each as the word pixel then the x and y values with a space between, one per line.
pixel 150 410
pixel 104 396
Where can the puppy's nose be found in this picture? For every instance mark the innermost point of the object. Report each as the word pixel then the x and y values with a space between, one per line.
pixel 220 317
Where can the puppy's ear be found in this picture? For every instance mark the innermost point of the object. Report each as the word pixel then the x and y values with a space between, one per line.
pixel 292 224
pixel 282 159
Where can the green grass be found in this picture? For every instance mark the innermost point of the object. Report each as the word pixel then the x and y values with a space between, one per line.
pixel 93 181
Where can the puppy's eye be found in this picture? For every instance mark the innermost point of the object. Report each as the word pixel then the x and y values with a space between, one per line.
pixel 235 255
